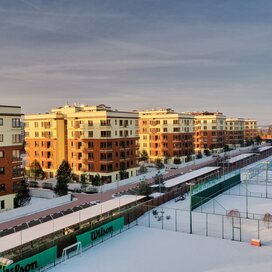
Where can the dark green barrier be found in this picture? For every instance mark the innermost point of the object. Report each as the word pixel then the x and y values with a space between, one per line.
pixel 204 196
pixel 35 262
pixel 100 232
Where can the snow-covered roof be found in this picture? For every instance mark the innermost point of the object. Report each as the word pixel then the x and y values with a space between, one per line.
pixel 24 236
pixel 240 157
pixel 155 195
pixel 264 148
pixel 189 176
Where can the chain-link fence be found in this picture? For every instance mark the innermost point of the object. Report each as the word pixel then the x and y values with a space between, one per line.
pixel 232 226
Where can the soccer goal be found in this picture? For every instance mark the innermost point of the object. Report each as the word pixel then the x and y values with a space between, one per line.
pixel 75 248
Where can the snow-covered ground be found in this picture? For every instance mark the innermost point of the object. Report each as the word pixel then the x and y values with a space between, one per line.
pixel 161 241
pixel 38 201
pixel 153 250
pixel 211 218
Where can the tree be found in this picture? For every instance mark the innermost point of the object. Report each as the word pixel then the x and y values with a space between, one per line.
pixel 258 139
pixel 144 188
pixel 199 155
pixel 159 164
pixel 188 157
pixel 142 169
pixel 166 158
pixel 143 156
pixel 123 174
pixel 97 180
pixel 177 160
pixel 207 152
pixel 64 175
pixel 226 148
pixel 22 197
pixel 36 170
pixel 83 181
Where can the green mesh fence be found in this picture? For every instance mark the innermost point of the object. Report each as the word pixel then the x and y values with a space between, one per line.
pixel 35 262
pixel 207 194
pixel 99 233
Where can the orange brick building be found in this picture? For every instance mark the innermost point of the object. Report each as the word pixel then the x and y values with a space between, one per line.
pixel 166 134
pixel 94 140
pixel 210 130
pixel 10 154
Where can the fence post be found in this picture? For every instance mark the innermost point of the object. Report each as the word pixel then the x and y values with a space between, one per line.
pixel 258 229
pixel 206 224
pixel 213 207
pixel 232 227
pixel 176 220
pixel 223 227
pixel 149 219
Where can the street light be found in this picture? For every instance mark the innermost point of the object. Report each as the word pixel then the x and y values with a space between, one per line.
pixel 191 184
pixel 266 176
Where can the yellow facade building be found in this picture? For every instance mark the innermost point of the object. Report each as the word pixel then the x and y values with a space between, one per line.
pixel 93 139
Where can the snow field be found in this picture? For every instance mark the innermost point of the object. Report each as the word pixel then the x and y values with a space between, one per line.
pixel 154 250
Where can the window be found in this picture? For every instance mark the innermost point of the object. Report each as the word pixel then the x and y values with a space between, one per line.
pixel 16 170
pixel 36 134
pixel 16 154
pixel 16 138
pixel 90 134
pixel 36 124
pixel 2 154
pixel 1 138
pixel 2 204
pixel 16 123
pixel 2 170
pixel 105 134
pixel 2 187
pixel 1 122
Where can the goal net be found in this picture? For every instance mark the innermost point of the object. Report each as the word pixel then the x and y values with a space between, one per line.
pixel 267 219
pixel 233 215
pixel 73 250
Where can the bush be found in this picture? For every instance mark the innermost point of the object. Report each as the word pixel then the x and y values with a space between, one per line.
pixel 207 152
pixel 47 185
pixel 199 155
pixel 33 184
pixel 177 161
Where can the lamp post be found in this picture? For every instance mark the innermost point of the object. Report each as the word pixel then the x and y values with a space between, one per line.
pixel 191 184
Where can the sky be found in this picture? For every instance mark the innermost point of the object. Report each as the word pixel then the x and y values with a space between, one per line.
pixel 188 55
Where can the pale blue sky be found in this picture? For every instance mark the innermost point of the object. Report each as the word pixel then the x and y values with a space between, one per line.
pixel 135 54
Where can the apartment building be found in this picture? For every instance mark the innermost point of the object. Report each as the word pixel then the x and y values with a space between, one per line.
pixel 235 131
pixel 94 140
pixel 250 128
pixel 210 130
pixel 166 134
pixel 10 154
pixel 45 141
